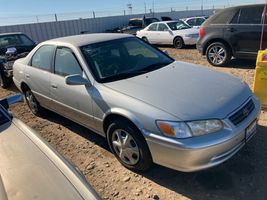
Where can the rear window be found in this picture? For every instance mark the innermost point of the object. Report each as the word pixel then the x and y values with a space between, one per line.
pixel 251 15
pixel 222 17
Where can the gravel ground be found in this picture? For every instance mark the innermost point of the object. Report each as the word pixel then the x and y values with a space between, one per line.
pixel 242 177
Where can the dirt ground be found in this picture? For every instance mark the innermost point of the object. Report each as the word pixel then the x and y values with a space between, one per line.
pixel 242 177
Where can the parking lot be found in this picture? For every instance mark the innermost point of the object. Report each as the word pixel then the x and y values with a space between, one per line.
pixel 242 177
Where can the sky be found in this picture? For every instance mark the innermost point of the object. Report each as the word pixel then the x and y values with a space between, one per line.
pixel 36 8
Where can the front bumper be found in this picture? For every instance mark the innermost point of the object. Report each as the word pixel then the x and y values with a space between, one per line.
pixel 203 152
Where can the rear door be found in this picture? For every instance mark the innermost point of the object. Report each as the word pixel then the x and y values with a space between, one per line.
pixel 244 31
pixel 73 102
pixel 37 74
pixel 151 33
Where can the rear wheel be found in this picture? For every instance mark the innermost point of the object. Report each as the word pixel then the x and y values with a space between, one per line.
pixel 128 145
pixel 178 43
pixel 218 54
pixel 32 102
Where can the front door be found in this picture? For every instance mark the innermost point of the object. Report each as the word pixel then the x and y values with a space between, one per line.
pixel 73 102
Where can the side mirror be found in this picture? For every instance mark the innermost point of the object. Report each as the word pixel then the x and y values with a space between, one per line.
pixel 166 29
pixel 76 80
pixel 11 100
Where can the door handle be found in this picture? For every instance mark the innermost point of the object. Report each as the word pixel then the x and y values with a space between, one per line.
pixel 231 29
pixel 54 86
pixel 27 76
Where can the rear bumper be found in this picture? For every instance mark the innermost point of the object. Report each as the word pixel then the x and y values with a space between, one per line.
pixel 190 40
pixel 200 49
pixel 203 152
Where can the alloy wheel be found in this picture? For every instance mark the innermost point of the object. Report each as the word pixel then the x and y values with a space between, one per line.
pixel 217 55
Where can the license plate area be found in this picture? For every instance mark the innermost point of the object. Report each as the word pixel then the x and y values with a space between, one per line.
pixel 251 130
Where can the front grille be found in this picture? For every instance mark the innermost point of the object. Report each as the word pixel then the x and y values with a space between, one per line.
pixel 242 113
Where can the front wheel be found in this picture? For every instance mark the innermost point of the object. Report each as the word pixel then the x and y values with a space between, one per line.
pixel 4 81
pixel 145 39
pixel 128 145
pixel 218 54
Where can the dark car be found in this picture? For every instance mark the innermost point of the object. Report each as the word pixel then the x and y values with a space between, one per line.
pixel 232 32
pixel 12 47
pixel 136 24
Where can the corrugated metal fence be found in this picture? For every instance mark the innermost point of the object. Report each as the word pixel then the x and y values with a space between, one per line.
pixel 48 30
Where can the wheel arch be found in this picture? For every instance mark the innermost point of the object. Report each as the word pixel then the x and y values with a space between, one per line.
pixel 24 86
pixel 118 113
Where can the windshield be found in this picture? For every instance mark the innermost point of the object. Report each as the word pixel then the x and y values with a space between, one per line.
pixel 123 58
pixel 179 25
pixel 15 40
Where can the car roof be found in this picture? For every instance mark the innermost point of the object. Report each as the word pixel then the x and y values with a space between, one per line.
pixel 85 39
pixel 14 33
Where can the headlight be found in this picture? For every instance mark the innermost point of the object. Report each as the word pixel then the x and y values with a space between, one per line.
pixel 189 129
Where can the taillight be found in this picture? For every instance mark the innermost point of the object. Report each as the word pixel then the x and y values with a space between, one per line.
pixel 201 32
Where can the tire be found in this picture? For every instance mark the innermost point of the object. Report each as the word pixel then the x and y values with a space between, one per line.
pixel 4 81
pixel 134 154
pixel 178 43
pixel 218 54
pixel 32 102
pixel 145 39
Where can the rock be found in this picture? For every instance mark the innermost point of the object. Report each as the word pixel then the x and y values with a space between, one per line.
pixel 107 165
pixel 155 197
pixel 115 193
pixel 126 179
pixel 90 166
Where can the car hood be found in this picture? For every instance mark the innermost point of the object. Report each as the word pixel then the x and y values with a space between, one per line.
pixel 187 31
pixel 186 91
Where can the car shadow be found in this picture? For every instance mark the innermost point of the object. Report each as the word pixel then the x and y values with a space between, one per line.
pixel 241 63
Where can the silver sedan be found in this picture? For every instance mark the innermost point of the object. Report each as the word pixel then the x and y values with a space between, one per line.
pixel 31 169
pixel 149 107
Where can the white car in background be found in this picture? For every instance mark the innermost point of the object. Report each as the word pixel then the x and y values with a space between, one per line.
pixel 195 22
pixel 175 33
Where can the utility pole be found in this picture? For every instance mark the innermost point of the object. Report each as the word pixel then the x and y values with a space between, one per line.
pixel 56 17
pixel 201 7
pixel 153 6
pixel 37 19
pixel 145 7
pixel 94 14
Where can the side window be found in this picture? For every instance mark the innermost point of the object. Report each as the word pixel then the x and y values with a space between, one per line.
pixel 152 27
pixel 43 57
pixel 235 18
pixel 162 27
pixel 199 21
pixel 191 22
pixel 66 62
pixel 251 15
